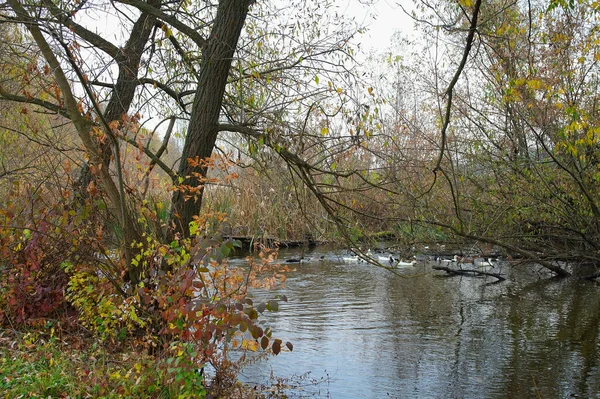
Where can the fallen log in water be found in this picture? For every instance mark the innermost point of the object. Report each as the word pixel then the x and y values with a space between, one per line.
pixel 469 272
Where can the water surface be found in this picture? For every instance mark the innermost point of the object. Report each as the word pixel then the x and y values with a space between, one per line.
pixel 365 333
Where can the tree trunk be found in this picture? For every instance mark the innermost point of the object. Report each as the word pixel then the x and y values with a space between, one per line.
pixel 202 131
pixel 128 61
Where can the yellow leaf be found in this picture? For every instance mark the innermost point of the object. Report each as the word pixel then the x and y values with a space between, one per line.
pixel 250 345
pixel 534 84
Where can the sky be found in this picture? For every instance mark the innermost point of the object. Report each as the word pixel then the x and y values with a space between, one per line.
pixel 382 18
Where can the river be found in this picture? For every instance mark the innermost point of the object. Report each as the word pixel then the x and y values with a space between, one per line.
pixel 361 332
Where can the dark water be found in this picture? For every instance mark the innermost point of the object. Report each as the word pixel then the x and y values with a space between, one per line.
pixel 365 333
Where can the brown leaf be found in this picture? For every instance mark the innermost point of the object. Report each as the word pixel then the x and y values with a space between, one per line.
pixel 276 347
pixel 264 342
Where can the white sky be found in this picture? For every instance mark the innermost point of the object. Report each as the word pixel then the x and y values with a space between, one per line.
pixel 382 18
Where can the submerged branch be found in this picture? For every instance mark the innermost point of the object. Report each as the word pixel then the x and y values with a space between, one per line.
pixel 469 272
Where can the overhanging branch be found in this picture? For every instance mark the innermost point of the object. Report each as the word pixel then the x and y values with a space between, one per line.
pixel 32 100
pixel 450 89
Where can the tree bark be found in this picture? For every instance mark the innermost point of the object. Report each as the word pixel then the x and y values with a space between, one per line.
pixel 203 129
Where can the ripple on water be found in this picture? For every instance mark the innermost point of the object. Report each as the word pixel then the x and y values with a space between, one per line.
pixel 376 335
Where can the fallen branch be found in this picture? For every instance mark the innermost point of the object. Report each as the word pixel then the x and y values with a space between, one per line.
pixel 469 272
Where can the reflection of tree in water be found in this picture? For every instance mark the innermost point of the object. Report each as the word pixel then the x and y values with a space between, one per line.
pixel 427 337
pixel 423 311
pixel 465 339
pixel 554 348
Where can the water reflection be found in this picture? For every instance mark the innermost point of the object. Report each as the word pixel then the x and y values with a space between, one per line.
pixel 376 335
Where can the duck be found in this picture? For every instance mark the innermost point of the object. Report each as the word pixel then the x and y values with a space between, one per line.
pixel 454 259
pixel 398 262
pixel 383 259
pixel 401 263
pixel 484 263
pixel 466 260
pixel 301 259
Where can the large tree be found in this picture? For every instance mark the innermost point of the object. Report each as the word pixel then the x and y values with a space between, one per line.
pixel 174 61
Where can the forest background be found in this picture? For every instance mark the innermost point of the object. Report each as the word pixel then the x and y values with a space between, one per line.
pixel 481 129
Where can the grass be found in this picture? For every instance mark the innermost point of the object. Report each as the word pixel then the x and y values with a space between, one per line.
pixel 39 365
pixel 34 367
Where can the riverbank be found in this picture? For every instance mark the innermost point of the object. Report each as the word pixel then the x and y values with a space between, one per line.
pixel 48 364
pixel 43 363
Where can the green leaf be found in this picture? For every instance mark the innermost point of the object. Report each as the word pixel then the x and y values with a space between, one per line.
pixel 193 228
pixel 273 306
pixel 252 313
pixel 256 332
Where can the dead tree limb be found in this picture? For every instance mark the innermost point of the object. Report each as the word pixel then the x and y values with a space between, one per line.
pixel 469 272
